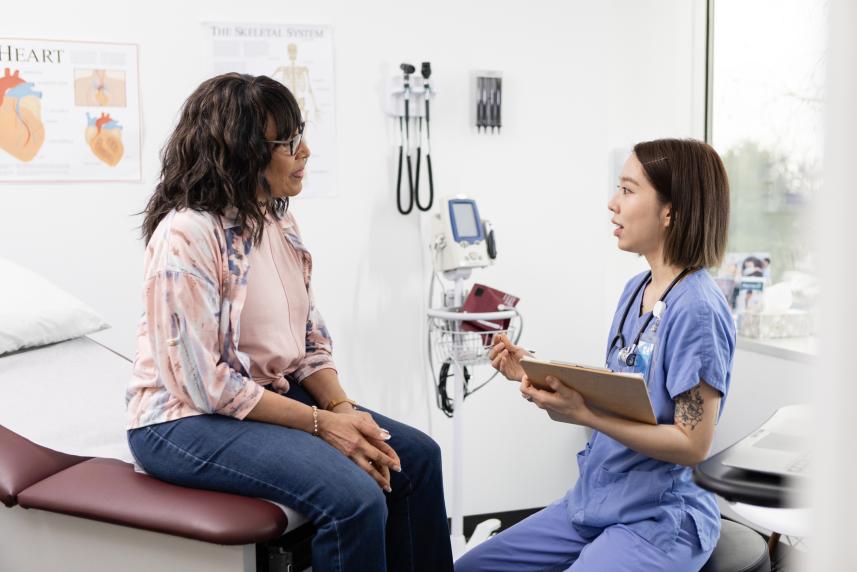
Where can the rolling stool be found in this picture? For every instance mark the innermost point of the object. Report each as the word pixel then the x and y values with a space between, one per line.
pixel 740 549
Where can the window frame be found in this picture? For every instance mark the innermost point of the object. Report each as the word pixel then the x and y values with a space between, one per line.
pixel 801 349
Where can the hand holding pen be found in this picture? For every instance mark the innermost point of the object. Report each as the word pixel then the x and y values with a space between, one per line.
pixel 506 357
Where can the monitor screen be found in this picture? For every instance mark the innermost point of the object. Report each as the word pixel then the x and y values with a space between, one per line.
pixel 465 220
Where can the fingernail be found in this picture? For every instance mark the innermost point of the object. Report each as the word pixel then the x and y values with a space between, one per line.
pixel 385 435
pixel 397 468
pixel 388 489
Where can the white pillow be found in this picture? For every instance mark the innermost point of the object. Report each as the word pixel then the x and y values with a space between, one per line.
pixel 34 312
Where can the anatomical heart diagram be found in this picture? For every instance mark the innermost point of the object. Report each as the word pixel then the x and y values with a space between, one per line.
pixel 104 137
pixel 21 129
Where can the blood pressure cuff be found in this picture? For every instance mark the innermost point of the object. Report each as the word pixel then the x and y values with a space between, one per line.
pixel 486 299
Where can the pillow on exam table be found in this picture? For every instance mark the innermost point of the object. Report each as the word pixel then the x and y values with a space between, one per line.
pixel 34 312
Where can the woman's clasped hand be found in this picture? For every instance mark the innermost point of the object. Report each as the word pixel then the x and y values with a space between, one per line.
pixel 356 435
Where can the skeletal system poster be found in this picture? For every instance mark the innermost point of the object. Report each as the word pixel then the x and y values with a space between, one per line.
pixel 69 111
pixel 301 58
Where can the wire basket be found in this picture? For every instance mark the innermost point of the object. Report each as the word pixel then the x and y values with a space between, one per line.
pixel 450 339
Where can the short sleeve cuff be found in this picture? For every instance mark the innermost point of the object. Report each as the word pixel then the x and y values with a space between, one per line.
pixel 314 365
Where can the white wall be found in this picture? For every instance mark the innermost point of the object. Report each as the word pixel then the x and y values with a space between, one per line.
pixel 580 79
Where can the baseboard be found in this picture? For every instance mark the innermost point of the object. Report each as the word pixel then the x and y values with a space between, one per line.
pixel 507 519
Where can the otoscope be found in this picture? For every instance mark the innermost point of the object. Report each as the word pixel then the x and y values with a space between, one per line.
pixel 426 72
pixel 408 69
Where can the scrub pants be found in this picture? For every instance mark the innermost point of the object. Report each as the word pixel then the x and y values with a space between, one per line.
pixel 359 527
pixel 547 541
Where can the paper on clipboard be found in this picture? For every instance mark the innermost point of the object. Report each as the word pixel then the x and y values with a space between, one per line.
pixel 621 394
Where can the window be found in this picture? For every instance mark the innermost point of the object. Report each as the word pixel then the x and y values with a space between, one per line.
pixel 766 67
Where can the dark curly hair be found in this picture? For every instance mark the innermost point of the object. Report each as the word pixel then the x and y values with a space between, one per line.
pixel 216 157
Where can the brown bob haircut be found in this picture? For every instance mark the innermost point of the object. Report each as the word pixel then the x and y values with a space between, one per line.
pixel 690 176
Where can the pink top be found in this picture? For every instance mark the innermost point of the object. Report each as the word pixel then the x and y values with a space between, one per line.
pixel 273 320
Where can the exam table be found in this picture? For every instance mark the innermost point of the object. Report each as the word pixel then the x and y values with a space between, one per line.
pixel 75 502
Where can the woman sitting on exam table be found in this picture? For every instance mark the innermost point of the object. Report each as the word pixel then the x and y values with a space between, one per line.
pixel 234 387
pixel 635 506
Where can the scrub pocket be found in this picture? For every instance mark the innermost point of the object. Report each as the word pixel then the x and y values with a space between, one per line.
pixel 642 500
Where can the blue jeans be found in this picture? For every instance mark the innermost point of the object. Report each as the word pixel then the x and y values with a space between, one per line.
pixel 360 528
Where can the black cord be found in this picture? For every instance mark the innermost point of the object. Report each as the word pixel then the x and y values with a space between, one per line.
pixel 428 206
pixel 444 403
pixel 402 210
pixel 426 72
pixel 417 178
pixel 410 179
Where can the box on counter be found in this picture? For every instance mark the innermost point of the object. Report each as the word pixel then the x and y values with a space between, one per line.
pixel 790 324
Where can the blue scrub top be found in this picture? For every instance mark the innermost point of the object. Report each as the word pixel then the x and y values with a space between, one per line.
pixel 695 341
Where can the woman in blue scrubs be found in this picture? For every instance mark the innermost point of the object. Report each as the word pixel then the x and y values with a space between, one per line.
pixel 635 506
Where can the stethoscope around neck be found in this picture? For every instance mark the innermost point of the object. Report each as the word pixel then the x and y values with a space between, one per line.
pixel 628 354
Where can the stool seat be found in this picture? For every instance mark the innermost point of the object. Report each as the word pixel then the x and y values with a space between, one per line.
pixel 740 549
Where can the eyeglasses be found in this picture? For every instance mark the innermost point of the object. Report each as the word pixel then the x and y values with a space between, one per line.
pixel 292 144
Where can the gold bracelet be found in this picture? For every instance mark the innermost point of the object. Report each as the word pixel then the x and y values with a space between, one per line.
pixel 314 420
pixel 333 404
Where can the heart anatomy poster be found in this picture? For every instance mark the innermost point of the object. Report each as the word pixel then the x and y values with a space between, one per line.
pixel 301 58
pixel 69 111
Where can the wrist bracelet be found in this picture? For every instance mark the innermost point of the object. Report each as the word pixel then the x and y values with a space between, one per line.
pixel 314 420
pixel 333 404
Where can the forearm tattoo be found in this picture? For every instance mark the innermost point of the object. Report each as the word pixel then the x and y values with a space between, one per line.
pixel 688 408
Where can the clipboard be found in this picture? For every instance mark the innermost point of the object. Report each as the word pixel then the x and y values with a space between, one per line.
pixel 621 394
